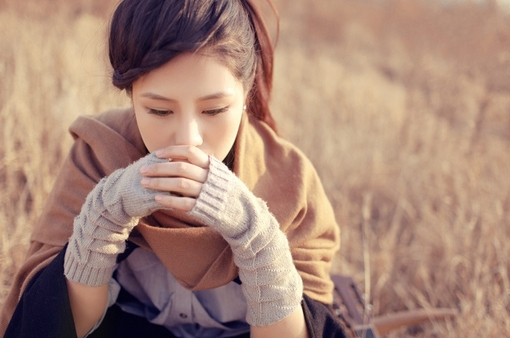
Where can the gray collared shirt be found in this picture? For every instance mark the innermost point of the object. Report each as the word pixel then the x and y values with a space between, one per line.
pixel 218 312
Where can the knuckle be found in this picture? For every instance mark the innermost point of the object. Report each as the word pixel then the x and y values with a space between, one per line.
pixel 183 184
pixel 154 169
pixel 182 167
pixel 154 182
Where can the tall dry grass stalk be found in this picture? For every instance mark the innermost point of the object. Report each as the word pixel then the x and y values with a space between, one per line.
pixel 403 106
pixel 52 69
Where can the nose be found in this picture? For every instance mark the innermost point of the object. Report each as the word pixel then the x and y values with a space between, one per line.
pixel 188 133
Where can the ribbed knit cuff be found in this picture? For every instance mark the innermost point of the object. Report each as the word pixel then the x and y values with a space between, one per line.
pixel 86 274
pixel 219 199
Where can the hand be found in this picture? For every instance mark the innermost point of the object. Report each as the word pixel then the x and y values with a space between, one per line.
pixel 271 283
pixel 182 176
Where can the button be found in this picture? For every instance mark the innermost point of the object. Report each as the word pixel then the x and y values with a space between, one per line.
pixel 183 315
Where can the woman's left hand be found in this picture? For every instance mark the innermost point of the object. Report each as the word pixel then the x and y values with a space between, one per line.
pixel 182 176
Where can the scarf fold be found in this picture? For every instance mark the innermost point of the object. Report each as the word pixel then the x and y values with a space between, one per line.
pixel 198 257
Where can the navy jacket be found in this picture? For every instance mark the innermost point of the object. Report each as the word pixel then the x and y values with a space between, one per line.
pixel 44 311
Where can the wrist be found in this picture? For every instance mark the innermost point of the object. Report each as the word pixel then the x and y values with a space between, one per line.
pixel 221 203
pixel 98 238
pixel 271 283
pixel 85 271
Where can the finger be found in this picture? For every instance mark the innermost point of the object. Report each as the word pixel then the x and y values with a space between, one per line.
pixel 180 185
pixel 176 169
pixel 176 202
pixel 190 153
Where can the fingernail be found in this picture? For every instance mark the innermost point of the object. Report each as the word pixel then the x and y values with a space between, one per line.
pixel 144 169
pixel 159 153
pixel 145 181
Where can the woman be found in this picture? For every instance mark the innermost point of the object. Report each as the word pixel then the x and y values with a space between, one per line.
pixel 184 215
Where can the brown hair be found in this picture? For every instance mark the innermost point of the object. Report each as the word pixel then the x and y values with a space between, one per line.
pixel 146 34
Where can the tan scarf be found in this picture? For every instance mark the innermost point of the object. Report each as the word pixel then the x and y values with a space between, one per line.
pixel 197 256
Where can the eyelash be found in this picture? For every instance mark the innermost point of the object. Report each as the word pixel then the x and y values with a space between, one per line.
pixel 160 112
pixel 215 111
pixel 211 112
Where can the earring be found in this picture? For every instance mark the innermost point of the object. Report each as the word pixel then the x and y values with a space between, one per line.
pixel 244 107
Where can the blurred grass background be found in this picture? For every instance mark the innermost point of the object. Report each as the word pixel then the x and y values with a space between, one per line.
pixel 402 105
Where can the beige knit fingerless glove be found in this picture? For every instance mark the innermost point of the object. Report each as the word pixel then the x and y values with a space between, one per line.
pixel 270 281
pixel 112 209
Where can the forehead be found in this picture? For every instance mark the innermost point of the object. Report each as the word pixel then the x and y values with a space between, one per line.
pixel 198 73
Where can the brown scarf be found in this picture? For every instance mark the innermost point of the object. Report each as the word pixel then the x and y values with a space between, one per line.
pixel 197 256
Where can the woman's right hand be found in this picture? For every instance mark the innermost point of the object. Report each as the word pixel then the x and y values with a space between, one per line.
pixel 180 176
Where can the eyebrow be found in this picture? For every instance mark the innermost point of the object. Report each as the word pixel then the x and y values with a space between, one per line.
pixel 215 96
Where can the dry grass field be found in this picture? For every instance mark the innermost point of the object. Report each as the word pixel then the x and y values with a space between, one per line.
pixel 402 105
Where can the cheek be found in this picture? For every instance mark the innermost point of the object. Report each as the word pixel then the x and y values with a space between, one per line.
pixel 151 132
pixel 224 136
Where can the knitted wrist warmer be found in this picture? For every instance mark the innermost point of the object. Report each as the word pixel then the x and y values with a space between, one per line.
pixel 270 281
pixel 112 209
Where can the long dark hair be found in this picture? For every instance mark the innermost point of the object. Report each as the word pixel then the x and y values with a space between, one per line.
pixel 146 34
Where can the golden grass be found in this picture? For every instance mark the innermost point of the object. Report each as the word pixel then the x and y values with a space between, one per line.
pixel 52 69
pixel 404 108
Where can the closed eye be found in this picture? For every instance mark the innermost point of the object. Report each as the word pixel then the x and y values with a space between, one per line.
pixel 160 112
pixel 213 112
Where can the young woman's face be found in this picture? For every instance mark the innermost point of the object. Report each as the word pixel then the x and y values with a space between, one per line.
pixel 191 100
